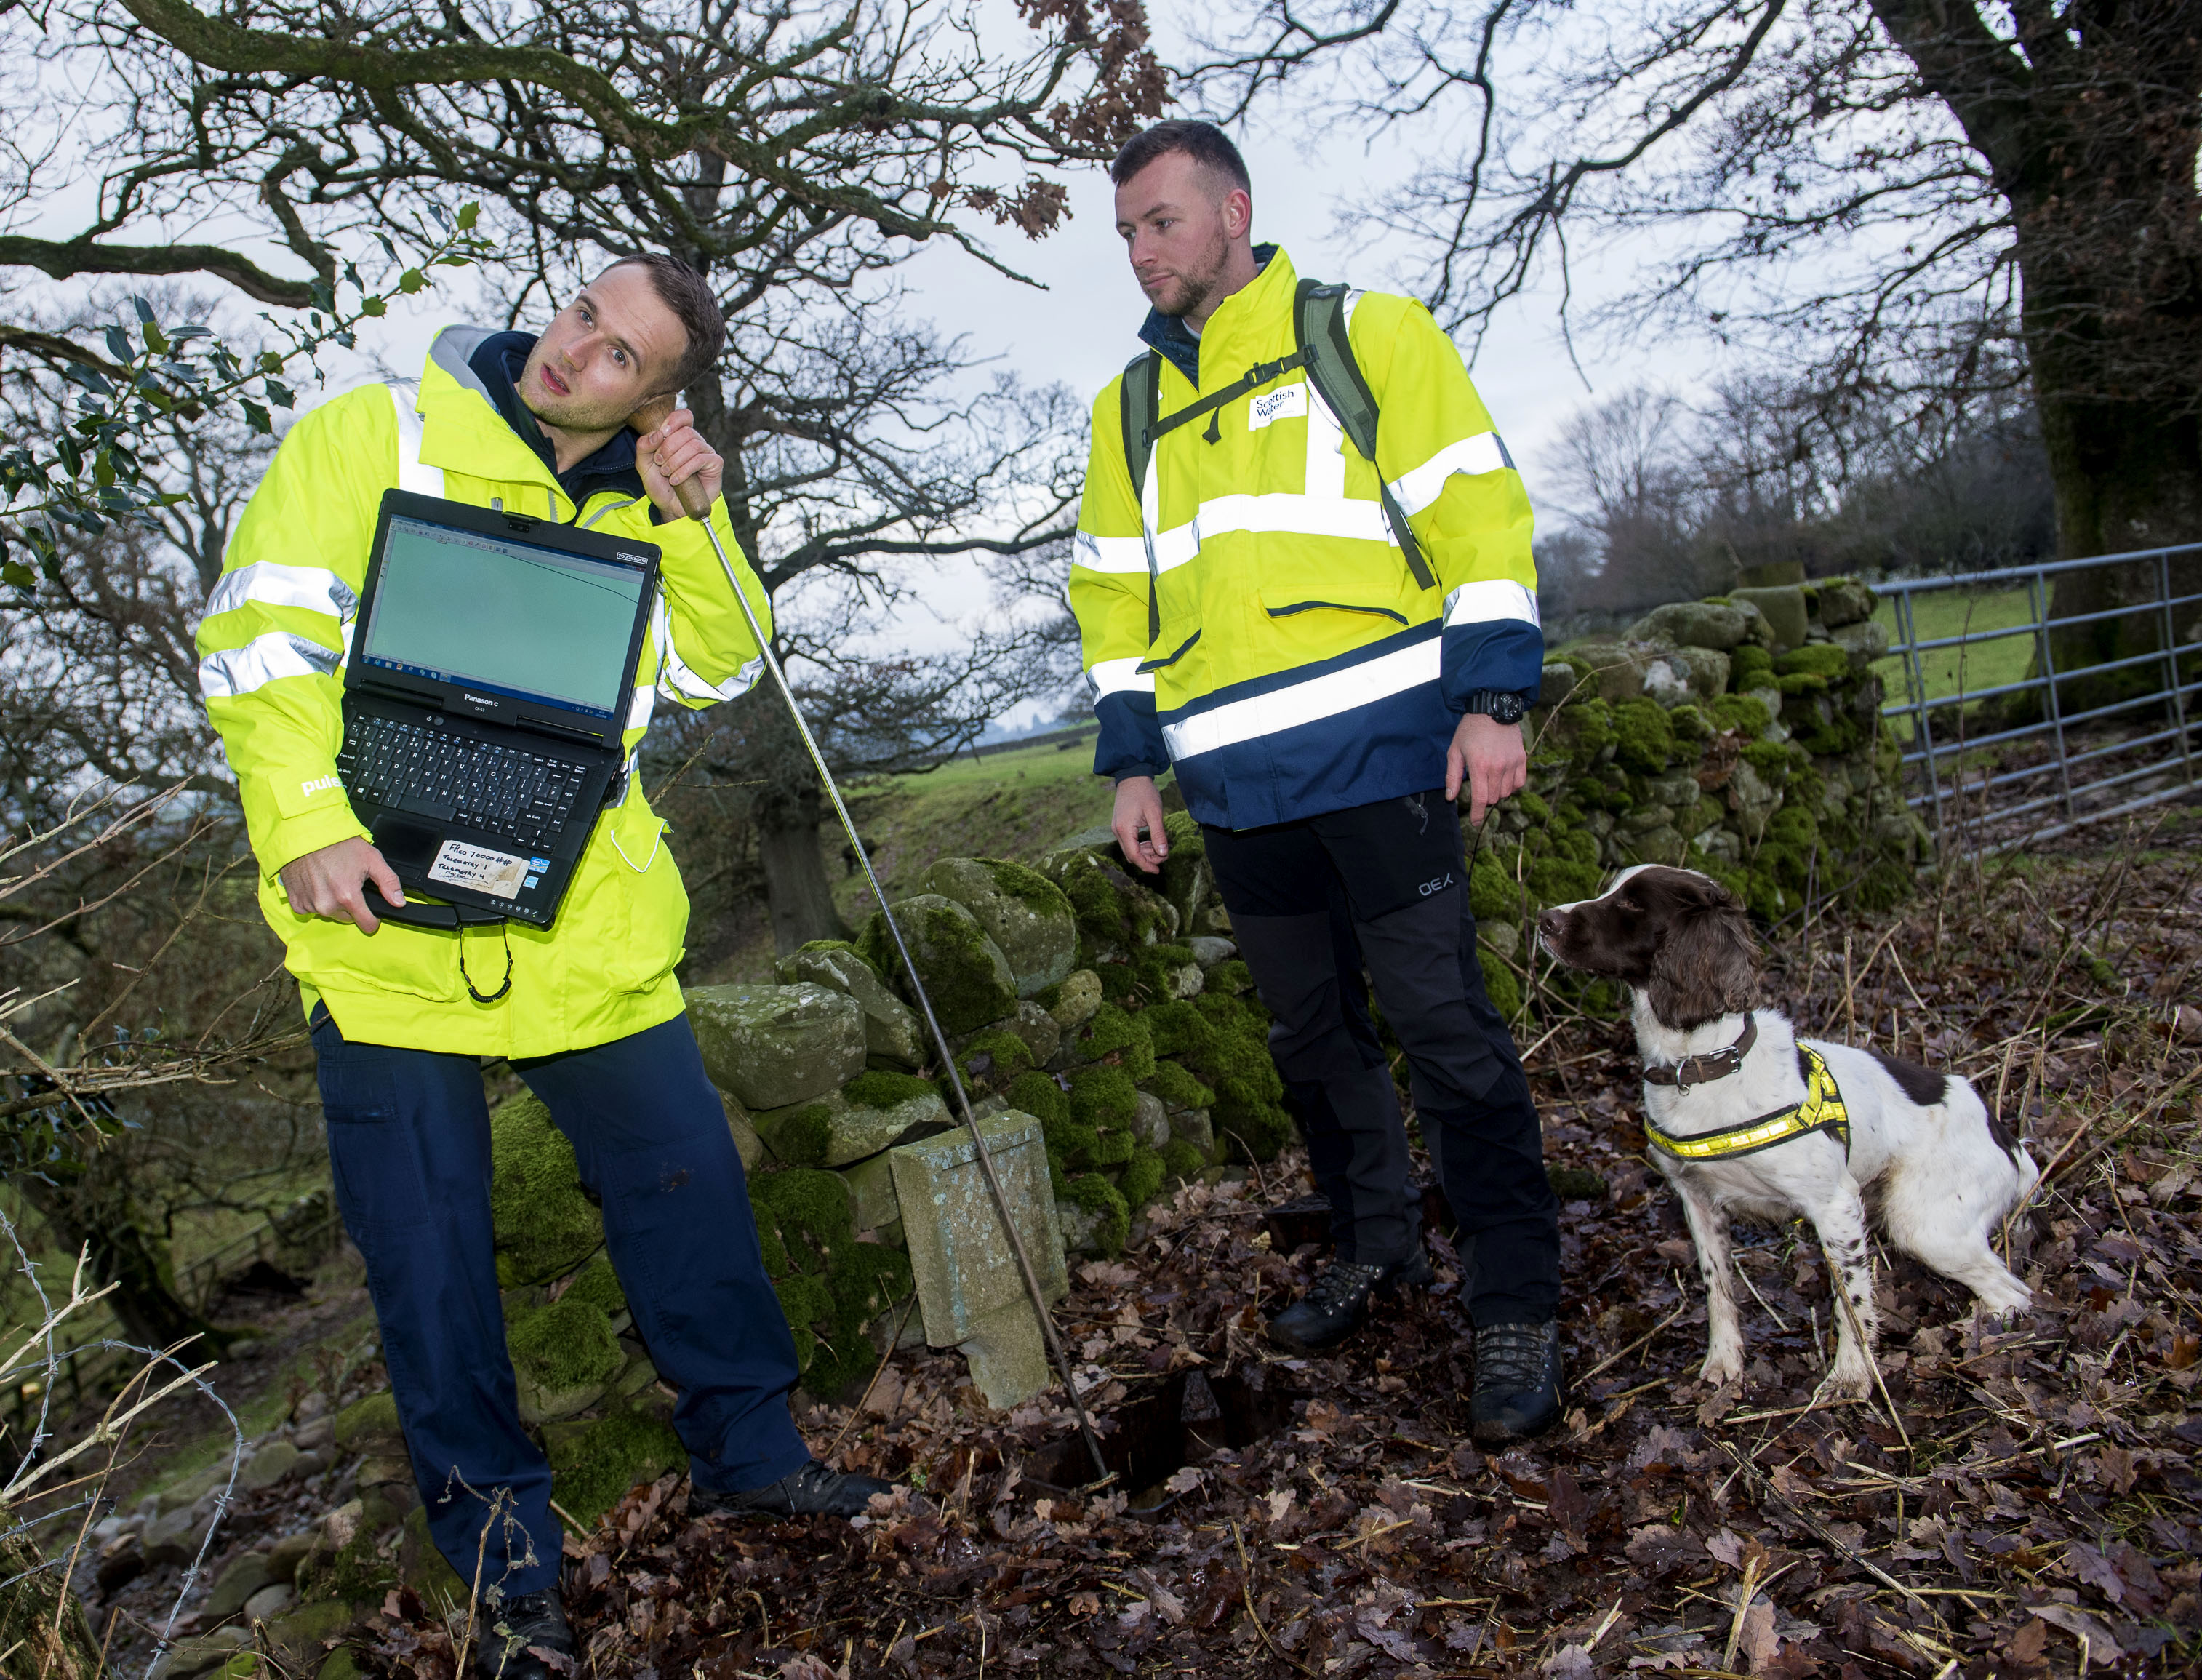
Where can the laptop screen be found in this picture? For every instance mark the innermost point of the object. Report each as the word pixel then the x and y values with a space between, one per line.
pixel 502 614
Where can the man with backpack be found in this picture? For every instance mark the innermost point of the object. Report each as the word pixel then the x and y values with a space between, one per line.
pixel 1303 581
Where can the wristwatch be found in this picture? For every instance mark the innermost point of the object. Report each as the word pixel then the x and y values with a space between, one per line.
pixel 1498 705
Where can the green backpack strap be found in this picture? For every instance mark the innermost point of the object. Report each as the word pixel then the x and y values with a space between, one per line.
pixel 1319 327
pixel 1139 411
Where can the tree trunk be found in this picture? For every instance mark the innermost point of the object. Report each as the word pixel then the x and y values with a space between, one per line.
pixel 2126 476
pixel 34 1647
pixel 800 899
pixel 86 1205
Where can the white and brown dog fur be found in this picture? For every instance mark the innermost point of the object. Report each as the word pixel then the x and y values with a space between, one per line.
pixel 1926 1162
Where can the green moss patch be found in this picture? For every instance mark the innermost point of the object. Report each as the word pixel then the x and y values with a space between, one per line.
pixel 544 1223
pixel 881 1088
pixel 1142 1177
pixel 1177 1087
pixel 1103 1097
pixel 567 1345
pixel 594 1465
pixel 1037 1094
pixel 1181 1161
pixel 598 1284
pixel 1644 740
pixel 1095 1194
pixel 1119 1038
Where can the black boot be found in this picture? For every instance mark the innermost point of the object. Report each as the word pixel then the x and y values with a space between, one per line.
pixel 1338 1301
pixel 526 1637
pixel 1518 1384
pixel 813 1490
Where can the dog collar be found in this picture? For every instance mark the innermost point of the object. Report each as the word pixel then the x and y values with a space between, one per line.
pixel 1713 1065
pixel 1821 1110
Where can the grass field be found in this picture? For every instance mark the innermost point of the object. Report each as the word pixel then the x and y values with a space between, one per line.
pixel 1950 612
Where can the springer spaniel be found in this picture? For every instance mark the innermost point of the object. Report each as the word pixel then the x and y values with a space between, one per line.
pixel 1920 1151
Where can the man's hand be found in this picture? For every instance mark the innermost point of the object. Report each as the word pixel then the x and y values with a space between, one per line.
pixel 1139 812
pixel 672 453
pixel 1487 755
pixel 329 882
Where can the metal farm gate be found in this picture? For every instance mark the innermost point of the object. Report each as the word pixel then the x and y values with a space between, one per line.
pixel 2038 766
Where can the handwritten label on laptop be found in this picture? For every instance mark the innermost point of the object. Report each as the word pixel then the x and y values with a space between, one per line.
pixel 495 873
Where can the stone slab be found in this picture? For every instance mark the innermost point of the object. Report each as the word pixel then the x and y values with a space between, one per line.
pixel 893 1033
pixel 772 1045
pixel 968 1287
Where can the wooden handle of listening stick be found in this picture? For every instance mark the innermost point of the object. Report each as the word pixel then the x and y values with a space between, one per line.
pixel 647 419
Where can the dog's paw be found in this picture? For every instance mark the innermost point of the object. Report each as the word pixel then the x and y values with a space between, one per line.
pixel 1844 1382
pixel 1721 1368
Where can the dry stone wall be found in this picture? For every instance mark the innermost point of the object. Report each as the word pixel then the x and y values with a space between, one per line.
pixel 1109 1008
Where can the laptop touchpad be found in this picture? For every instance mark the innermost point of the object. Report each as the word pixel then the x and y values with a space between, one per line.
pixel 406 846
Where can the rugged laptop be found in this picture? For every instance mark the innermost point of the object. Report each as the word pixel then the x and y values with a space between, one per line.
pixel 485 695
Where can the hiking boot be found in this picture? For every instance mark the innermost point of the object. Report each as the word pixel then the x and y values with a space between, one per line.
pixel 1338 1301
pixel 527 1638
pixel 813 1490
pixel 1518 1381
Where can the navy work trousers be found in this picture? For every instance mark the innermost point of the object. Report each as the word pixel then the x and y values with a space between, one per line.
pixel 410 1147
pixel 1383 884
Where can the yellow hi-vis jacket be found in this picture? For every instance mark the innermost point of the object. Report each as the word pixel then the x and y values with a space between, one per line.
pixel 272 648
pixel 1299 668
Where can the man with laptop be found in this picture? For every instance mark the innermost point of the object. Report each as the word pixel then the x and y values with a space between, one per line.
pixel 440 631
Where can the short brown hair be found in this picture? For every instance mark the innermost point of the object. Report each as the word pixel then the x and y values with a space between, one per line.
pixel 684 291
pixel 1203 142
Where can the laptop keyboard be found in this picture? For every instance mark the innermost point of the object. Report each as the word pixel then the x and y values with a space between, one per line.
pixel 525 797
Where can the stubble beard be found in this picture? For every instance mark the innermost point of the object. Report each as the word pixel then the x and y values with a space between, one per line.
pixel 1198 288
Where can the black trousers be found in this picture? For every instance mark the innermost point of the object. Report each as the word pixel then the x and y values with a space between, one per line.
pixel 1383 885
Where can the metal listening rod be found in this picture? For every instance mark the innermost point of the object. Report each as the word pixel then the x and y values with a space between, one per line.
pixel 698 508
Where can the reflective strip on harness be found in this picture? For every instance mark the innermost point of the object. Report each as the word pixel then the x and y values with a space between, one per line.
pixel 1821 1110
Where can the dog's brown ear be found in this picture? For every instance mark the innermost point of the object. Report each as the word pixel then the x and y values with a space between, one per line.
pixel 1707 964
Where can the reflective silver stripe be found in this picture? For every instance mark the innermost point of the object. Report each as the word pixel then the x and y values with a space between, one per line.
pixel 640 708
pixel 677 680
pixel 1329 695
pixel 1490 600
pixel 265 583
pixel 281 653
pixel 589 524
pixel 1326 450
pixel 1108 554
pixel 1417 488
pixel 414 475
pixel 1119 677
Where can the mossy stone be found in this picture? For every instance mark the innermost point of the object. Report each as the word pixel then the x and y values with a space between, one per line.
pixel 1645 739
pixel 1822 659
pixel 994 1057
pixel 594 1465
pixel 598 1284
pixel 1177 1087
pixel 369 1423
pixel 1115 1037
pixel 1500 984
pixel 965 974
pixel 425 1570
pixel 1141 1181
pixel 1037 1094
pixel 774 1046
pixel 1028 918
pixel 545 1224
pixel 892 1032
pixel 1103 1096
pixel 563 1357
pixel 1093 1215
pixel 1182 1161
pixel 1072 1004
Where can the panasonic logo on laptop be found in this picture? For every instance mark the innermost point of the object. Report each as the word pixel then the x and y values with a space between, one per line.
pixel 639 559
pixel 477 700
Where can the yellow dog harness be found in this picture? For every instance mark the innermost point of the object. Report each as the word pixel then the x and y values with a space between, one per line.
pixel 1821 1110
